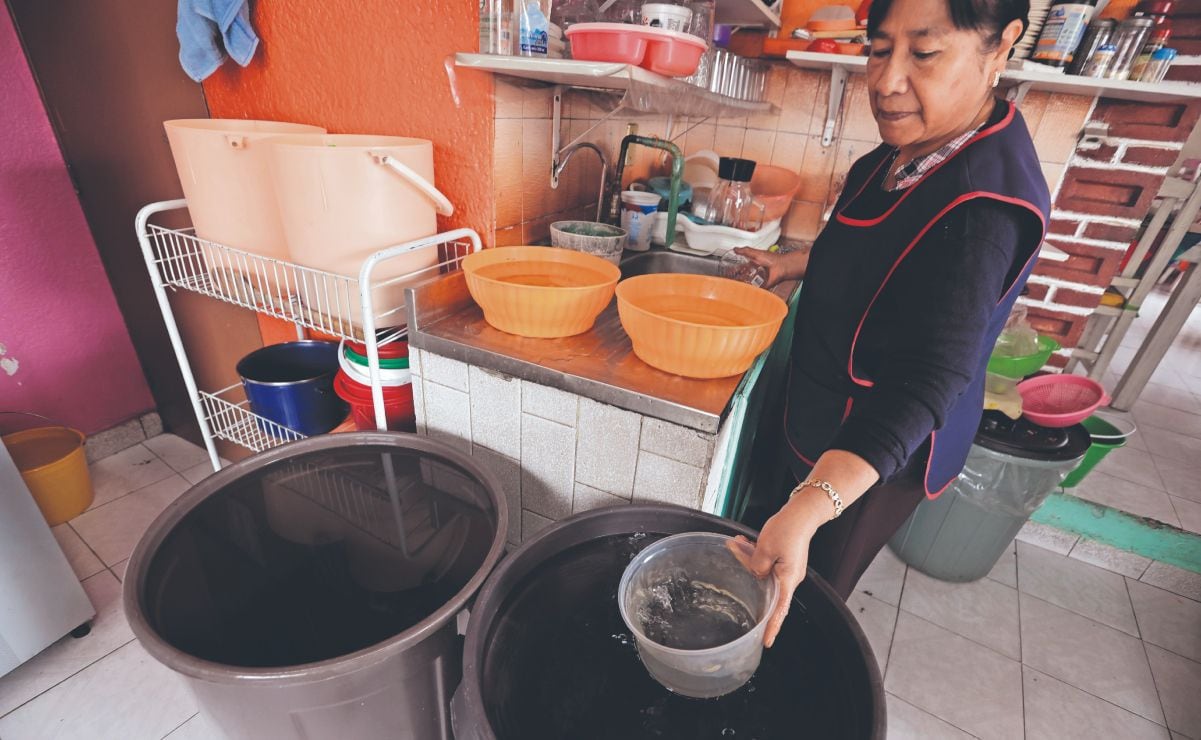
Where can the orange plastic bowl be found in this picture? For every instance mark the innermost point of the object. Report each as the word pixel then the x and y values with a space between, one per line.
pixel 698 326
pixel 540 292
pixel 774 187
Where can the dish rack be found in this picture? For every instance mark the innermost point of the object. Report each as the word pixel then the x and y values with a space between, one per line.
pixel 340 306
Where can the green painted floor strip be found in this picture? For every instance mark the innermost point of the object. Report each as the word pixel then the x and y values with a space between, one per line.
pixel 1145 537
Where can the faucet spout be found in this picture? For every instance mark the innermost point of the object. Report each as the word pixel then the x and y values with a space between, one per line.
pixel 565 156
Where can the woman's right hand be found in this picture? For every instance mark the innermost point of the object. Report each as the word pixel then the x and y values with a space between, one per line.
pixel 780 267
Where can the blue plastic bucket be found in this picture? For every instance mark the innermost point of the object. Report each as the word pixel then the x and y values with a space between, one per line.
pixel 292 384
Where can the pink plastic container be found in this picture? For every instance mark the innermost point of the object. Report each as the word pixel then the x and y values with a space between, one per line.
pixel 607 42
pixel 1060 400
pixel 672 53
pixel 664 52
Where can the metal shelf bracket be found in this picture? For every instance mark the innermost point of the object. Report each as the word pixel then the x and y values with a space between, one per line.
pixel 838 86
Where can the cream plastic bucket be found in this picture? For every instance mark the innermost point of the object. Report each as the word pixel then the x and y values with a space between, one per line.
pixel 225 170
pixel 342 197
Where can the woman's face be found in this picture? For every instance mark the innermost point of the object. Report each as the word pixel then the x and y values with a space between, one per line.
pixel 927 79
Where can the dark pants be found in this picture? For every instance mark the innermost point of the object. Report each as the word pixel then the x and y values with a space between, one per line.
pixel 844 547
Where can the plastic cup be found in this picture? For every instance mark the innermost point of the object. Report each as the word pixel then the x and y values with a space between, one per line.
pixel 638 217
pixel 667 16
pixel 699 557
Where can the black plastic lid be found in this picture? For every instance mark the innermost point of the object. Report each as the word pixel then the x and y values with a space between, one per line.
pixel 744 170
pixel 725 168
pixel 1024 439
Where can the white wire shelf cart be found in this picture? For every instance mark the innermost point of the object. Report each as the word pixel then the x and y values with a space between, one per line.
pixel 341 306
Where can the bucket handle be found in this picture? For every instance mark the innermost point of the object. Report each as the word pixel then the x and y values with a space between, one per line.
pixel 39 416
pixel 441 203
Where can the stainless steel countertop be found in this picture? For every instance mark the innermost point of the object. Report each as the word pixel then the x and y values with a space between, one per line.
pixel 599 364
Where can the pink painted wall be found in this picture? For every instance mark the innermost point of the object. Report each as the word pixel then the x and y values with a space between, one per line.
pixel 64 349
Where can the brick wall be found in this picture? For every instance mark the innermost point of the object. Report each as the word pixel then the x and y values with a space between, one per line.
pixel 1106 193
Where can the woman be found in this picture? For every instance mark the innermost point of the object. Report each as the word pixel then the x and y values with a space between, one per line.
pixel 905 291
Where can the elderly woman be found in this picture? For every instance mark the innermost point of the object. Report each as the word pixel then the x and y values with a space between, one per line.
pixel 905 291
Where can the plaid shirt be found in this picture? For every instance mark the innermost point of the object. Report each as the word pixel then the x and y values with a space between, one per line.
pixel 912 171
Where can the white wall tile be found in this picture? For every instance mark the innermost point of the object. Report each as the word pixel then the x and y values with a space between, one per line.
pixel 532 523
pixel 448 414
pixel 444 370
pixel 496 411
pixel 587 498
pixel 661 480
pixel 676 442
pixel 608 447
pixel 547 467
pixel 509 472
pixel 549 403
pixel 415 361
pixel 419 404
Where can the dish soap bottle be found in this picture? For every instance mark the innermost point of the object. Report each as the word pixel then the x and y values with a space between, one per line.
pixel 533 31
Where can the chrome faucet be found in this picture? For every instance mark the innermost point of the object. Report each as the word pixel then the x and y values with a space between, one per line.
pixel 566 154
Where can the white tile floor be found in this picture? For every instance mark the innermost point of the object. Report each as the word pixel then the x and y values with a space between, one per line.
pixel 1158 475
pixel 1048 646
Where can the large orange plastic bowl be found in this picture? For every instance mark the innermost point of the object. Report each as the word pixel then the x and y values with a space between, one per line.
pixel 774 187
pixel 698 326
pixel 540 291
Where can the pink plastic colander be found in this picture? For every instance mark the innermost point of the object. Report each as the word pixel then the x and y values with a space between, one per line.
pixel 1060 400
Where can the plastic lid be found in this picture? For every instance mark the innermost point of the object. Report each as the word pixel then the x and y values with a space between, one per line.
pixel 1164 54
pixel 1107 47
pixel 1024 439
pixel 725 168
pixel 744 170
pixel 319 554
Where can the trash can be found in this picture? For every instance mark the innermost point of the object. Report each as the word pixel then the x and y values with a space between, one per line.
pixel 1012 467
pixel 312 591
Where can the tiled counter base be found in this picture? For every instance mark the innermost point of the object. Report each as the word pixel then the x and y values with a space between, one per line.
pixel 558 453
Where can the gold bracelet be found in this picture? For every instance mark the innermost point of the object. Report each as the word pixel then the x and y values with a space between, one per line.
pixel 822 486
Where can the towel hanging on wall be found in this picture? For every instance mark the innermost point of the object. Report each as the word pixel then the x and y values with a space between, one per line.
pixel 211 30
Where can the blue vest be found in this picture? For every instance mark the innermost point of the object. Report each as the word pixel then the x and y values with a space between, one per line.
pixel 850 267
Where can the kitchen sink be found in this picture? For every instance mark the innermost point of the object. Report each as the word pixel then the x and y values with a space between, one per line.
pixel 655 261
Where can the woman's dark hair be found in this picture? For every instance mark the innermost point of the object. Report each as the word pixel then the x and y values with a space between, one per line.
pixel 989 17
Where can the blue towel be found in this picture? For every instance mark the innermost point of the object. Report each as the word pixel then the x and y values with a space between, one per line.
pixel 210 29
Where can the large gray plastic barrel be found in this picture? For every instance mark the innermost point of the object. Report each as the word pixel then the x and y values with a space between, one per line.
pixel 312 591
pixel 1010 471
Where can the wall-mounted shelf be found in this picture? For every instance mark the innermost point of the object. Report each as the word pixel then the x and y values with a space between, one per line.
pixel 645 91
pixel 745 13
pixel 1019 82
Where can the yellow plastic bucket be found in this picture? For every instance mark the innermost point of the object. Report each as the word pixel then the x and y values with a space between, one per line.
pixel 52 462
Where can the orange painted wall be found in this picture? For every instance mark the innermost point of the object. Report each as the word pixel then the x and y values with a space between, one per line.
pixel 377 67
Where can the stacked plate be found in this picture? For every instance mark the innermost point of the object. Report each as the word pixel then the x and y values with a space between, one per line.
pixel 1038 16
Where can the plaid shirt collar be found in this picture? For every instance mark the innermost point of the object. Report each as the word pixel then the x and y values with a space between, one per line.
pixel 912 171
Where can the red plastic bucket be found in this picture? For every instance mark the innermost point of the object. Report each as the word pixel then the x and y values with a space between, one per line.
pixel 398 404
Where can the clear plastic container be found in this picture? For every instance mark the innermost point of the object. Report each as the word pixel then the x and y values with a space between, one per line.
pixel 700 560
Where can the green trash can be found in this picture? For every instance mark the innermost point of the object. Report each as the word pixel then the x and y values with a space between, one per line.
pixel 1012 467
pixel 1107 435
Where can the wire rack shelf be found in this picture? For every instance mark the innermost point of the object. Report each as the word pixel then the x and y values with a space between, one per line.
pixel 315 299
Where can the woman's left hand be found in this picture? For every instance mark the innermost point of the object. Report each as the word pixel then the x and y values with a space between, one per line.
pixel 783 549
